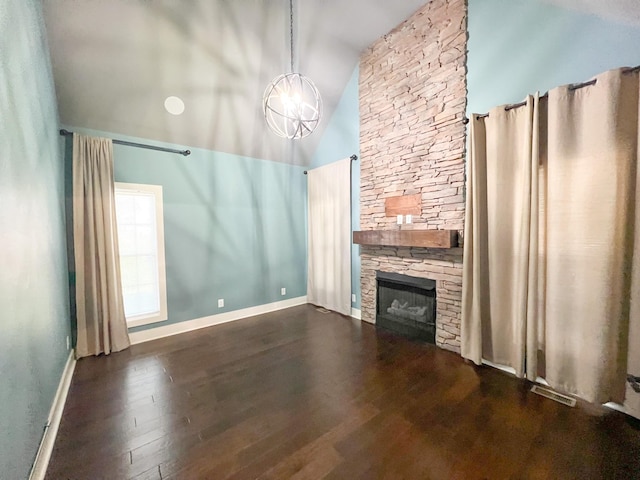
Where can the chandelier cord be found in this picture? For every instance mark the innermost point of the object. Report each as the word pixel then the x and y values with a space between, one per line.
pixel 291 31
pixel 291 103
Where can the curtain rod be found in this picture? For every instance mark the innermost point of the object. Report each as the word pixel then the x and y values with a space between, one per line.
pixel 572 87
pixel 353 158
pixel 66 133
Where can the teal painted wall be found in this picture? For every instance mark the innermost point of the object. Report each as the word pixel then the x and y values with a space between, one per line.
pixel 517 47
pixel 234 226
pixel 34 311
pixel 341 139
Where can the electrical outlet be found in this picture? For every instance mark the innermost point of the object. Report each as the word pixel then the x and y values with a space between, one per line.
pixel 283 291
pixel 399 219
pixel 353 297
pixel 408 218
pixel 68 342
pixel 220 302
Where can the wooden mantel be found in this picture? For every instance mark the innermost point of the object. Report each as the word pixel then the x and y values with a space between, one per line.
pixel 407 238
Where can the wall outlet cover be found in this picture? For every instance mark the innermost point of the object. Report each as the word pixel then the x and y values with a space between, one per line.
pixel 68 342
pixel 399 219
pixel 408 218
pixel 353 297
pixel 220 302
pixel 283 291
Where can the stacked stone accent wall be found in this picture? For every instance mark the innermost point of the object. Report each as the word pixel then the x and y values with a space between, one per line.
pixel 412 140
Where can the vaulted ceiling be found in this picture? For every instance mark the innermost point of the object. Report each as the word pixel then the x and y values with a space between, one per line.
pixel 116 61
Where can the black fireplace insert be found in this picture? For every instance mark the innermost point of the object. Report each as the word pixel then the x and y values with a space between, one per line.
pixel 406 305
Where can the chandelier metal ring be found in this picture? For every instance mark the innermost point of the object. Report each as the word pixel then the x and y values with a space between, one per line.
pixel 292 106
pixel 291 103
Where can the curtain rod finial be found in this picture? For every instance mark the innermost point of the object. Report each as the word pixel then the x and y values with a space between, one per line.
pixel 353 157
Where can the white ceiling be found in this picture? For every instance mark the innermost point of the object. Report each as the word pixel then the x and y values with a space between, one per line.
pixel 623 11
pixel 115 62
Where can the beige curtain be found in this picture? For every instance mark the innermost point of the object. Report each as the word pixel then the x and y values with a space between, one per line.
pixel 476 298
pixel 501 235
pixel 102 325
pixel 547 286
pixel 632 393
pixel 592 157
pixel 329 236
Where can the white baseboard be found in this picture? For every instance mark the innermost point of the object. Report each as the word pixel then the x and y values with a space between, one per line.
pixel 618 407
pixel 512 371
pixel 504 368
pixel 39 469
pixel 542 381
pixel 356 313
pixel 198 323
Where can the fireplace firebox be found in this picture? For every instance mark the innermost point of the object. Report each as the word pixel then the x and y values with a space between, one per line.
pixel 406 305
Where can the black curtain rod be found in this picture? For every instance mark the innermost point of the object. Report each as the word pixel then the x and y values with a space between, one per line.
pixel 353 158
pixel 66 133
pixel 572 87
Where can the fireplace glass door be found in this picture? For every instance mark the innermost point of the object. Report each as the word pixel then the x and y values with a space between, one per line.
pixel 406 305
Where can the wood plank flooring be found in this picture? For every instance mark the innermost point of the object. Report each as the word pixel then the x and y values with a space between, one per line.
pixel 305 395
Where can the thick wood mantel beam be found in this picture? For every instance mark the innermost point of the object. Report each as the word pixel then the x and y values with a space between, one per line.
pixel 407 238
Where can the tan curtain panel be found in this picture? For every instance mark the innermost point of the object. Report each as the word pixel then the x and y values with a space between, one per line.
pixel 551 263
pixel 329 236
pixel 632 392
pixel 502 213
pixel 475 267
pixel 591 186
pixel 102 325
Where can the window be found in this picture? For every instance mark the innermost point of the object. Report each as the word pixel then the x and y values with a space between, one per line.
pixel 141 245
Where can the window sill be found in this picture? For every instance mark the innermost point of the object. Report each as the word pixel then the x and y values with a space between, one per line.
pixel 145 320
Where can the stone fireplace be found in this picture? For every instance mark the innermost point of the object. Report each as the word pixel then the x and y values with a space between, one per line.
pixel 412 144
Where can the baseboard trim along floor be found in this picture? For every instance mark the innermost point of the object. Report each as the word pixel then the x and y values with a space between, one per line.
pixel 39 469
pixel 196 324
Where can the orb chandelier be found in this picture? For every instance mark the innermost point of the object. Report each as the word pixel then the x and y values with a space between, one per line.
pixel 291 103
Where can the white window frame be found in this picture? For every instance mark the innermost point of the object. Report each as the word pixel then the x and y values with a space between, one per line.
pixel 156 191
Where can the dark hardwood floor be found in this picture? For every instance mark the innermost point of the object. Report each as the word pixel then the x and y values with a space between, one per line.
pixel 301 394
